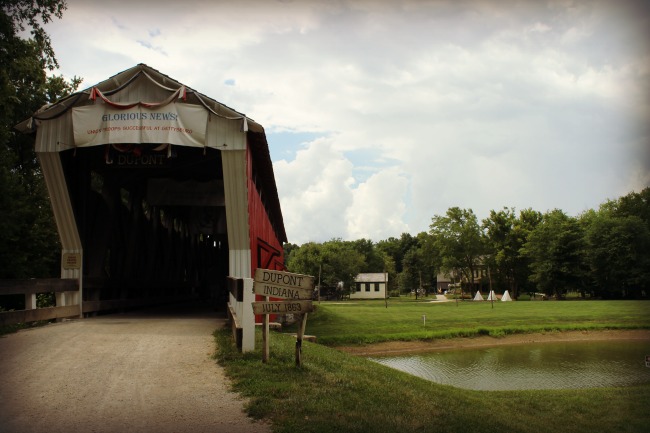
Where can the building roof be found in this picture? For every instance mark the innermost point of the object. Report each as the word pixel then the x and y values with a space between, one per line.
pixel 372 278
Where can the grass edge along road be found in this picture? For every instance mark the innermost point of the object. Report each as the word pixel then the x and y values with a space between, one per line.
pixel 338 392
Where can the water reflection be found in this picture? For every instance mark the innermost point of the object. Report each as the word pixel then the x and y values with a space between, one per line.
pixel 571 365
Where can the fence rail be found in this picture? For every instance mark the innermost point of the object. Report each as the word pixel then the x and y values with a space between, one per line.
pixel 67 299
pixel 37 285
pixel 48 313
pixel 33 286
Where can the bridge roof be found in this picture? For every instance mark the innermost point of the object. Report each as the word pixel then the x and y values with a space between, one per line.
pixel 126 78
pixel 123 82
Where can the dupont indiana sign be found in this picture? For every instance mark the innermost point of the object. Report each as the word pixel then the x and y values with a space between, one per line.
pixel 283 285
pixel 296 290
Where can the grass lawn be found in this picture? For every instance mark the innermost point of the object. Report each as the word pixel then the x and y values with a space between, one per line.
pixel 337 392
pixel 363 322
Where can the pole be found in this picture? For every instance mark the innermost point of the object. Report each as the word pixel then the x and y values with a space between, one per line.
pixel 299 336
pixel 81 285
pixel 265 336
pixel 490 279
pixel 386 288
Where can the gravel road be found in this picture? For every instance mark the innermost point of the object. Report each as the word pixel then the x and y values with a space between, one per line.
pixel 149 371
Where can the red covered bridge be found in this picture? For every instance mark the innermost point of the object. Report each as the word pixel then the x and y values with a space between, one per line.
pixel 160 193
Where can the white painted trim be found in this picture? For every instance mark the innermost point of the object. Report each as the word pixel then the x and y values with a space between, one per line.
pixel 236 198
pixel 62 210
pixel 248 318
pixel 239 263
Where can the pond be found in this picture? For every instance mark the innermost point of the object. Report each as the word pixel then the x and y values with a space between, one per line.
pixel 570 365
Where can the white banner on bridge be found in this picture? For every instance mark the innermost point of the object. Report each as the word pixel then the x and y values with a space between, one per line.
pixel 174 123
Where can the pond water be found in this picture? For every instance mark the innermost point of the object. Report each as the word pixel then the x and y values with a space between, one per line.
pixel 571 365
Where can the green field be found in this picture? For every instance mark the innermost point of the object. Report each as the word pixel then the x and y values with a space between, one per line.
pixel 337 392
pixel 363 322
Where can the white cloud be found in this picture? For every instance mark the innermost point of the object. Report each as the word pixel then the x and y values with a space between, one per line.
pixel 315 192
pixel 379 207
pixel 420 105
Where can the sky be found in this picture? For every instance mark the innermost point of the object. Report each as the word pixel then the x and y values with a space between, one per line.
pixel 382 114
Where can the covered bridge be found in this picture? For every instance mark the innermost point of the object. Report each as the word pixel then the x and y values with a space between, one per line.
pixel 158 191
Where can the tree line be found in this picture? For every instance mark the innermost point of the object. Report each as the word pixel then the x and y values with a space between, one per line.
pixel 29 245
pixel 602 253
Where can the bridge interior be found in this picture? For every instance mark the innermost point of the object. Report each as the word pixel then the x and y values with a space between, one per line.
pixel 151 219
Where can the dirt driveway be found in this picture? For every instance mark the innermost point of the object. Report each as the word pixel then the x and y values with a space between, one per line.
pixel 148 371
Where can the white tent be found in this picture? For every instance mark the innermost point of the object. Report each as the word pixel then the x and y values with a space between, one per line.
pixel 478 296
pixel 492 296
pixel 506 297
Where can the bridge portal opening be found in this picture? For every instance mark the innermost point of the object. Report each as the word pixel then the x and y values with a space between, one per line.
pixel 151 220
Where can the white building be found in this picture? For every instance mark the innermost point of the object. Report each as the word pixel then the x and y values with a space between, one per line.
pixel 370 286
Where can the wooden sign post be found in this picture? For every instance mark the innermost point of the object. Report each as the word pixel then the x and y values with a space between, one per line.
pixel 296 289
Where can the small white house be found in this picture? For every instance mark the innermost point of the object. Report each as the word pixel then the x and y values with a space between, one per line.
pixel 370 286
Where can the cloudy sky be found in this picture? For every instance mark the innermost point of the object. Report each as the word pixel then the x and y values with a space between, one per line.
pixel 381 114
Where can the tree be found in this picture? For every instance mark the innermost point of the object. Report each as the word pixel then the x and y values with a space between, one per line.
pixel 606 252
pixel 429 261
pixel 555 248
pixel 505 235
pixel 397 248
pixel 288 248
pixel 419 265
pixel 389 267
pixel 305 259
pixel 617 252
pixel 458 238
pixel 528 220
pixel 341 264
pixel 19 14
pixel 337 261
pixel 28 239
pixel 373 258
pixel 632 204
pixel 501 247
pixel 411 275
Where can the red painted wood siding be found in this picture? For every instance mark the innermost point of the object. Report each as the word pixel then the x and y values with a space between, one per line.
pixel 266 249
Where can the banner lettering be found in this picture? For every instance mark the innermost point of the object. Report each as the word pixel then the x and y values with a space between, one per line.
pixel 174 123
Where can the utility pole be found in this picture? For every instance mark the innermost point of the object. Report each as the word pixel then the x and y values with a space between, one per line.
pixel 386 288
pixel 320 268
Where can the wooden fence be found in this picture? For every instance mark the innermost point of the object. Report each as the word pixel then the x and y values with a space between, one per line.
pixel 67 300
pixel 30 288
